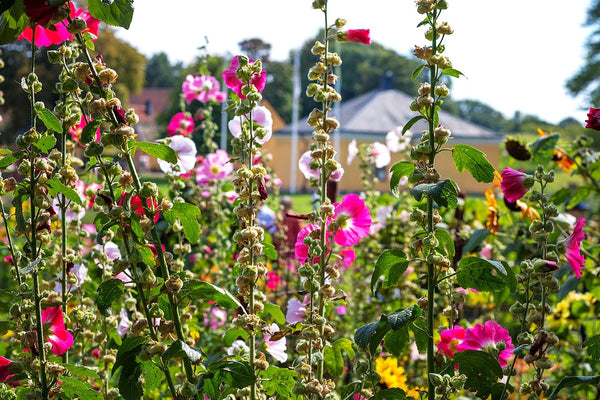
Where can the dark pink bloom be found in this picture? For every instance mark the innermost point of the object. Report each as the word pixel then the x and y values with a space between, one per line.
pixel 356 35
pixel 273 280
pixel 353 219
pixel 77 130
pixel 234 83
pixel 348 257
pixel 450 339
pixel 5 369
pixel 60 338
pixel 203 88
pixel 593 121
pixel 514 184
pixel 488 338
pixel 181 124
pixel 573 249
pixel 300 247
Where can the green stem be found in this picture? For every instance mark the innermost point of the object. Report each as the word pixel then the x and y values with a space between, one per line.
pixel 10 243
pixel 63 233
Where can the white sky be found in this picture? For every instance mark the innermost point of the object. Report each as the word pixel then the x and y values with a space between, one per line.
pixel 516 54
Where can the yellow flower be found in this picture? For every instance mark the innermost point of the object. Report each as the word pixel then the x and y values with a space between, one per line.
pixel 393 376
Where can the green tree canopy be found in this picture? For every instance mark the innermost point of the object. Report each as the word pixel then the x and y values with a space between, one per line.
pixel 160 72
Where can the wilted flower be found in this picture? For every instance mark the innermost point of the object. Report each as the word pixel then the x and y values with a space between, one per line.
pixel 353 219
pixel 573 249
pixel 233 82
pixel 203 88
pixel 186 155
pixel 181 124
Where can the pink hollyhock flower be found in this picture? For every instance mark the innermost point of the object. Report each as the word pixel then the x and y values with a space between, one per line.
pixel 203 88
pixel 181 124
pixel 277 348
pixel 308 172
pixel 215 318
pixel 515 184
pixel 352 151
pixel 348 257
pixel 39 11
pixel 77 130
pixel 296 310
pixel 301 249
pixel 124 323
pixel 60 338
pixel 450 339
pixel 341 310
pixel 238 347
pixel 260 116
pixel 593 121
pixel 487 338
pixel 79 270
pixel 573 250
pixel 353 219
pixel 486 251
pixel 355 35
pixel 273 280
pixel 214 167
pixel 395 141
pixel 186 155
pixel 381 154
pixel 5 364
pixel 234 83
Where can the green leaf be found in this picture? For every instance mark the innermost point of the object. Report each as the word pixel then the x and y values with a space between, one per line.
pixel 333 357
pixel 370 335
pixel 116 13
pixel 390 394
pixel 50 120
pixel 147 255
pixel 109 292
pixel 234 334
pixel 6 326
pixel 561 196
pixel 417 72
pixel 482 371
pixel 485 275
pixel 419 329
pixel 593 346
pixel 12 22
pixel 581 193
pixel 45 143
pixel 274 310
pixel 186 213
pixel 80 370
pixel 444 193
pixel 543 147
pixel 399 319
pixel 180 349
pixel 76 389
pixel 270 251
pixel 475 240
pixel 240 373
pixel 10 159
pixel 400 170
pixel 278 382
pixel 452 72
pixel 88 134
pixel 570 381
pixel 411 122
pixel 153 376
pixel 158 150
pixel 195 289
pixel 130 347
pixel 55 187
pixel 396 341
pixel 474 161
pixel 446 245
pixel 390 265
pixel 363 335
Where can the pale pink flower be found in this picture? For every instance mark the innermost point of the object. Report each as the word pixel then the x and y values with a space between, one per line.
pixel 261 116
pixel 124 323
pixel 234 83
pixel 486 251
pixel 214 167
pixel 353 219
pixel 352 151
pixel 215 318
pixel 573 248
pixel 79 270
pixel 203 88
pixel 450 339
pixel 486 338
pixel 296 310
pixel 304 167
pixel 181 124
pixel 277 348
pixel 395 141
pixel 238 347
pixel 515 184
pixel 381 154
pixel 383 214
pixel 60 338
pixel 186 155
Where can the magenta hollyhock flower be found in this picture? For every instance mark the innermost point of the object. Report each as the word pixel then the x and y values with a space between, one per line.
pixel 450 339
pixel 573 250
pixel 186 155
pixel 215 166
pixel 593 121
pixel 60 338
pixel 301 248
pixel 203 88
pixel 181 124
pixel 234 83
pixel 215 318
pixel 356 35
pixel 276 348
pixel 353 219
pixel 39 11
pixel 77 130
pixel 273 280
pixel 487 338
pixel 348 257
pixel 514 184
pixel 5 369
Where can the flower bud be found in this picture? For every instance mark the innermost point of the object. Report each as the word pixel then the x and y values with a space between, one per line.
pixel 77 25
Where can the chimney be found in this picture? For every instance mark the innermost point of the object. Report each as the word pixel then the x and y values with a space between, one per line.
pixel 387 81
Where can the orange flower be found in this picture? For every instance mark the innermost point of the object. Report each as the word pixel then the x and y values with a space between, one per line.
pixel 492 211
pixel 561 158
pixel 527 211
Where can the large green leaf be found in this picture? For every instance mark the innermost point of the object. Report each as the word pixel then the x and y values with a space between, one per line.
pixel 333 357
pixel 593 346
pixel 116 13
pixel 444 193
pixel 396 341
pixel 55 187
pixel 180 349
pixel 482 371
pixel 370 335
pixel 238 374
pixel 543 147
pixel 109 292
pixel 474 161
pixel 50 120
pixel 158 150
pixel 186 213
pixel 279 382
pixel 74 388
pixel 88 134
pixel 475 240
pixel 390 394
pixel 46 143
pixel 195 289
pixel 12 22
pixel 485 275
pixel 390 266
pixel 10 159
pixel 570 381
pixel 400 170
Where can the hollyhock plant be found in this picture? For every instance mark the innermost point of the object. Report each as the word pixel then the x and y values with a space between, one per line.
pixel 203 88
pixel 186 155
pixel 181 124
pixel 80 272
pixel 233 82
pixel 5 364
pixel 352 151
pixel 355 35
pixel 260 116
pixel 304 167
pixel 593 121
pixel 296 310
pixel 77 130
pixel 60 338
pixel 276 348
pixel 450 339
pixel 381 154
pixel 353 219
pixel 214 167
pixel 301 248
pixel 488 337
pixel 395 141
pixel 573 248
pixel 515 184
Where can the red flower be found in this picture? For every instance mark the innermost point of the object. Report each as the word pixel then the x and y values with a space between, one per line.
pixel 356 35
pixel 39 11
pixel 136 205
pixel 234 83
pixel 593 121
pixel 60 338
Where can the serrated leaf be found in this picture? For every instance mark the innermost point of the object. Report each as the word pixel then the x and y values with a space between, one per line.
pixel 195 289
pixel 56 187
pixel 444 193
pixel 390 394
pixel 481 368
pixel 370 335
pixel 80 370
pixel 543 147
pixel 274 310
pixel 396 341
pixel 147 255
pixel 50 120
pixel 180 349
pixel 46 143
pixel 153 376
pixel 411 122
pixel 593 346
pixel 186 213
pixel 475 240
pixel 485 275
pixel 109 292
pixel 363 335
pixel 398 171
pixel 158 150
pixel 115 12
pixel 570 381
pixel 10 159
pixel 390 266
pixel 74 388
pixel 399 319
pixel 88 134
pixel 334 359
pixel 474 161
pixel 240 373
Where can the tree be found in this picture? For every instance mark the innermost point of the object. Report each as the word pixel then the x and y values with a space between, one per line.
pixel 256 49
pixel 482 114
pixel 587 79
pixel 160 72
